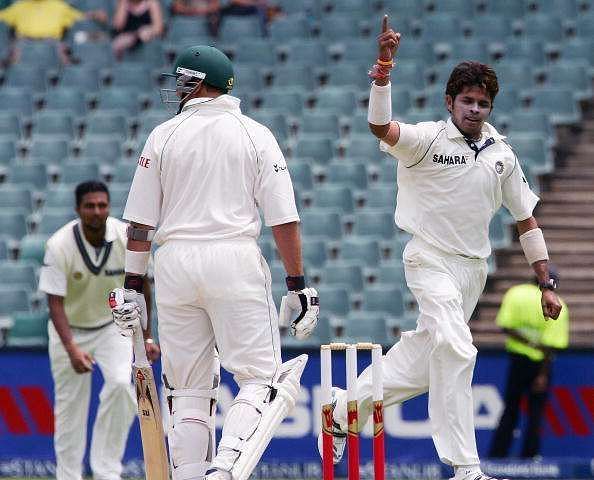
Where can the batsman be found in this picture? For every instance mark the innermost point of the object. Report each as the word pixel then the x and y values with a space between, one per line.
pixel 453 176
pixel 200 182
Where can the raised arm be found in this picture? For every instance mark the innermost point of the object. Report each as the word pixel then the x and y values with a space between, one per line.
pixel 380 101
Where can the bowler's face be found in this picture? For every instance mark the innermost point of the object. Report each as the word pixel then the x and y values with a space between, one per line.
pixel 469 110
pixel 94 210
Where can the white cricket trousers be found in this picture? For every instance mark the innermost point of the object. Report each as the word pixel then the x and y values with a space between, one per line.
pixel 215 293
pixel 72 391
pixel 438 356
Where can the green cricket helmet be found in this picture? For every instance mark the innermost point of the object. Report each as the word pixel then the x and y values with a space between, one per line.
pixel 200 63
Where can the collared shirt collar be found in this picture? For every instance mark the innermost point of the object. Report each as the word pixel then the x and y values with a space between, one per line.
pixel 111 231
pixel 488 130
pixel 223 102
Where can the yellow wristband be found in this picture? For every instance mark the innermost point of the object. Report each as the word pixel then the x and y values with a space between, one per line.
pixel 384 63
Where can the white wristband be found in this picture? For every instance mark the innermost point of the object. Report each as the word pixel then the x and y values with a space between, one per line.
pixel 380 104
pixel 534 245
pixel 136 262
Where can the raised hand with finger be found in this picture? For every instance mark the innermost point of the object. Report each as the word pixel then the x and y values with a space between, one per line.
pixel 388 41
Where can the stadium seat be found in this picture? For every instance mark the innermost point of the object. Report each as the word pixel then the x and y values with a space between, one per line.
pixel 319 122
pixel 313 252
pixel 543 27
pixel 39 53
pixel 558 103
pixel 303 52
pixel 32 174
pixel 29 330
pixel 378 225
pixel 151 54
pixel 363 145
pixel 300 174
pixel 585 26
pixel 150 119
pixel 16 100
pixel 129 76
pixel 531 150
pixel 489 27
pixel 242 27
pixel 7 151
pixel 17 275
pixel 438 28
pixel 511 8
pixel 528 50
pixel 247 77
pixel 15 196
pixel 352 50
pixel 338 26
pixel 26 76
pixel 353 175
pixel 274 121
pixel 283 101
pixel 334 198
pixel 257 52
pixel 365 327
pixel 360 251
pixel 522 121
pixel 344 274
pixel 47 149
pixel 336 299
pixel 511 73
pixel 289 76
pixel 59 196
pixel 54 125
pixel 499 234
pixel 85 77
pixel 461 50
pixel 102 146
pixel 118 194
pixel 385 172
pixel 288 28
pixel 573 75
pixel 391 274
pixel 32 248
pixel 578 49
pixel 76 172
pixel 118 100
pixel 13 300
pixel 384 299
pixel 123 171
pixel 381 196
pixel 346 74
pixel 456 7
pixel 54 219
pixel 183 29
pixel 10 128
pixel 320 149
pixel 337 100
pixel 67 99
pixel 100 53
pixel 3 249
pixel 112 126
pixel 321 225
pixel 13 224
pixel 403 8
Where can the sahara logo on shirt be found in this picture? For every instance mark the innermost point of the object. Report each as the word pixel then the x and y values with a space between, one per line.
pixel 449 159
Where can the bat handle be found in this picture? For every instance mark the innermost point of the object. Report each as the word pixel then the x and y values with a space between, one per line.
pixel 140 359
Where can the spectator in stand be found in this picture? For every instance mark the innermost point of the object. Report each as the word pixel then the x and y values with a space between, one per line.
pixel 199 8
pixel 47 20
pixel 246 7
pixel 136 22
pixel 531 343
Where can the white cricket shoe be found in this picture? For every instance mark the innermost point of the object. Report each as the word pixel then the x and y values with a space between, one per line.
pixel 339 435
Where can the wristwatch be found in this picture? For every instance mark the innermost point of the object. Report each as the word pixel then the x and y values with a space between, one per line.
pixel 550 285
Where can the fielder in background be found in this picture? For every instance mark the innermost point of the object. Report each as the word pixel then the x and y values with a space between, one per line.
pixel 452 177
pixel 531 344
pixel 199 182
pixel 84 261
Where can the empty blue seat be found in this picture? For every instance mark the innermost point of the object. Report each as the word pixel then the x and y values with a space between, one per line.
pixel 335 198
pixel 100 52
pixel 346 74
pixel 352 175
pixel 288 76
pixel 17 275
pixel 306 52
pixel 26 76
pixel 113 126
pixel 352 7
pixel 182 29
pixel 59 196
pixel 385 299
pixel 12 224
pixel 38 53
pixel 7 151
pixel 13 300
pixel 385 172
pixel 499 234
pixel 50 149
pixel 54 219
pixel 16 100
pixel 456 7
pixel 558 103
pixel 319 123
pixel 150 119
pixel 283 102
pixel 313 252
pixel 84 77
pixel 118 100
pixel 75 172
pixel 10 128
pixel 29 329
pixel 527 49
pixel 566 74
pixel 70 99
pixel 491 26
pixel 532 150
pixel 391 274
pixel 55 124
pixel 335 298
pixel 522 121
pixel 244 27
pixel 337 100
pixel 381 196
pixel 32 248
pixel 511 8
pixel 338 26
pixel 578 49
pixel 16 196
pixel 100 145
pixel 347 275
pixel 3 249
pixel 363 145
pixel 320 149
pixel 257 52
pixel 118 194
pixel 32 174
pixel 290 27
pixel 128 76
pixel 321 225
pixel 543 27
pixel 361 251
pixel 247 77
pixel 375 224
pixel 352 50
pixel 124 171
pixel 301 175
pixel 365 327
pixel 437 28
pixel 585 26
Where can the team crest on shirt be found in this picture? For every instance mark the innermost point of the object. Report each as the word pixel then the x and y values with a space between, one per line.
pixel 77 275
pixel 499 167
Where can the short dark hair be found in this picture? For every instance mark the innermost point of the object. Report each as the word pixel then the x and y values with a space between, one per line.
pixel 87 187
pixel 469 74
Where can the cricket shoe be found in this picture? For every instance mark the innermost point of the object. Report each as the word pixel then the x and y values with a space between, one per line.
pixel 461 475
pixel 338 434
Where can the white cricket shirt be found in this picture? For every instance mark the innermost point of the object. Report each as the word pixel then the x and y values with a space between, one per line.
pixel 447 194
pixel 74 269
pixel 203 174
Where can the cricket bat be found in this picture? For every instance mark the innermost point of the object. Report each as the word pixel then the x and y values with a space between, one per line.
pixel 156 464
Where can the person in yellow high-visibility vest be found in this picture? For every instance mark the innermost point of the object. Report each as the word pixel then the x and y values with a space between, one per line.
pixel 531 343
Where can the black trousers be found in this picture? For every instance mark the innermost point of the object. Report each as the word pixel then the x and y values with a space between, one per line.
pixel 522 372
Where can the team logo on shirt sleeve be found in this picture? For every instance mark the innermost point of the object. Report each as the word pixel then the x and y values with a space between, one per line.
pixel 499 167
pixel 279 168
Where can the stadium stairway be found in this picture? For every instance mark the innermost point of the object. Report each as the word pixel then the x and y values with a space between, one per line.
pixel 566 214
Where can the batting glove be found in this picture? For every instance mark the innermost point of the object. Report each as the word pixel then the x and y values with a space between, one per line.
pixel 303 302
pixel 128 309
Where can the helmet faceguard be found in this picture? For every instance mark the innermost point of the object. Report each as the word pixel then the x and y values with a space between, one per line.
pixel 187 82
